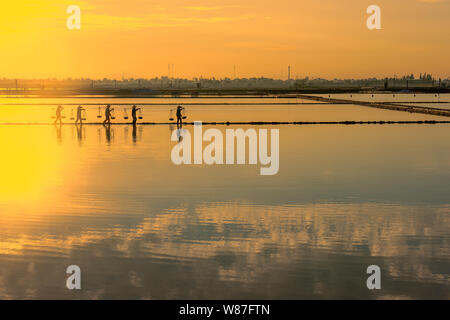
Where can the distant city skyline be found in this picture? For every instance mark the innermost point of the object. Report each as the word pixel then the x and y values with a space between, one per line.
pixel 8 86
pixel 289 77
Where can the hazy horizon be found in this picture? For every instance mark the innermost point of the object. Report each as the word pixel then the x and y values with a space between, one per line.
pixel 126 78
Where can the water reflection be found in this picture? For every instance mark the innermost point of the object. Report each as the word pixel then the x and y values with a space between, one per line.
pixel 58 133
pixel 80 133
pixel 107 132
pixel 141 227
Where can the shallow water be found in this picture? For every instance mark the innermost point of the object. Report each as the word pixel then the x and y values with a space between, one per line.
pixel 112 202
pixel 41 110
pixel 174 101
pixel 392 97
pixel 25 114
pixel 441 105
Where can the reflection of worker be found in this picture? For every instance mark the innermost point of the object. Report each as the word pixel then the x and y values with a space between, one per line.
pixel 79 115
pixel 179 116
pixel 58 115
pixel 180 135
pixel 107 132
pixel 79 132
pixel 58 133
pixel 134 133
pixel 108 111
pixel 133 114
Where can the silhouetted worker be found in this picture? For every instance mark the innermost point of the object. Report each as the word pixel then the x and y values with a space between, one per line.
pixel 108 111
pixel 58 114
pixel 79 115
pixel 133 114
pixel 179 116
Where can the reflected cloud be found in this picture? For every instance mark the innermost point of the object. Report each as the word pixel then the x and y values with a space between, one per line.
pixel 243 243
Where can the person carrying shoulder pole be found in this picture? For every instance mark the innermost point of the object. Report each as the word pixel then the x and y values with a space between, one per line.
pixel 58 115
pixel 133 114
pixel 79 115
pixel 179 115
pixel 108 111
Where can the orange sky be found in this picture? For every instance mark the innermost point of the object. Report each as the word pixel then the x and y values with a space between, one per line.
pixel 325 38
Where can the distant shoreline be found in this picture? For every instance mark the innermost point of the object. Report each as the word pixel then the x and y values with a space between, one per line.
pixel 211 93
